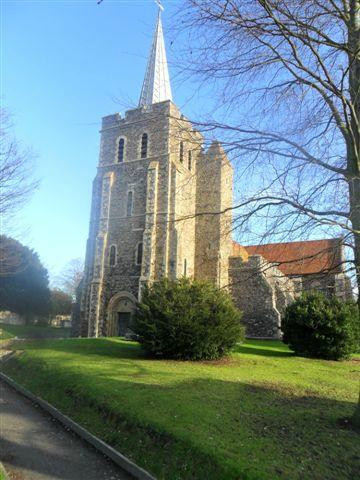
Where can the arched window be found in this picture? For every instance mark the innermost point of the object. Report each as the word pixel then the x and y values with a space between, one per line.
pixel 144 145
pixel 181 153
pixel 139 253
pixel 185 267
pixel 129 204
pixel 121 150
pixel 189 159
pixel 112 255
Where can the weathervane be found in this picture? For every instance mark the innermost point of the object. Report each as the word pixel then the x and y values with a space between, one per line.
pixel 158 3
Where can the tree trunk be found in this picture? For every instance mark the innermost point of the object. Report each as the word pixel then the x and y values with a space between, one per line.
pixel 354 191
pixel 355 420
pixel 353 144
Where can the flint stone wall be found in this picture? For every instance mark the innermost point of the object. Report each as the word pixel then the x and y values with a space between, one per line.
pixel 167 194
pixel 262 293
pixel 330 284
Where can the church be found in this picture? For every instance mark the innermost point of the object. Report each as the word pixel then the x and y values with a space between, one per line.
pixel 162 207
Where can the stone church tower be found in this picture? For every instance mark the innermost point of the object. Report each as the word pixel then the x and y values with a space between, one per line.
pixel 155 205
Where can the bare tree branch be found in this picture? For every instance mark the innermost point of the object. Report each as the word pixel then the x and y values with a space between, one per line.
pixel 287 78
pixel 16 167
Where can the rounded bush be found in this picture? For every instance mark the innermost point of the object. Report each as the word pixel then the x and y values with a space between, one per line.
pixel 188 320
pixel 317 326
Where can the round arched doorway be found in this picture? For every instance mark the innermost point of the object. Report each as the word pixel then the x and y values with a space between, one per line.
pixel 120 311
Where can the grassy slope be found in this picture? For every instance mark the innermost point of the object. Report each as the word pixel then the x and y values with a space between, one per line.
pixel 31 331
pixel 262 414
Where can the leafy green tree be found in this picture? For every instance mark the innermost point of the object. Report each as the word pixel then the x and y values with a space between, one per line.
pixel 317 326
pixel 23 290
pixel 187 319
pixel 61 303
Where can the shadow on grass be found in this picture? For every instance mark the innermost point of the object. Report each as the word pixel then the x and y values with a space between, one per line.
pixel 206 427
pixel 33 331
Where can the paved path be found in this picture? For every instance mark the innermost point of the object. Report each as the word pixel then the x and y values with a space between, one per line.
pixel 33 446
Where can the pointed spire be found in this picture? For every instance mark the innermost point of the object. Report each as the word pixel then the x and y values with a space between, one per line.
pixel 156 87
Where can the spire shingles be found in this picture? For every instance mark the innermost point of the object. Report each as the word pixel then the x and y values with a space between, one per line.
pixel 156 87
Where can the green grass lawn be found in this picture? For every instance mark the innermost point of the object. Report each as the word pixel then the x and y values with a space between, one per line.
pixel 261 414
pixel 31 331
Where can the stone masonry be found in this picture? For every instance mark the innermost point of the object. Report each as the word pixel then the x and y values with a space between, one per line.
pixel 161 207
pixel 176 191
pixel 262 293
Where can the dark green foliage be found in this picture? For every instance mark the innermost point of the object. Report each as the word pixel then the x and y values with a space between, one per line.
pixel 23 282
pixel 61 303
pixel 317 326
pixel 186 319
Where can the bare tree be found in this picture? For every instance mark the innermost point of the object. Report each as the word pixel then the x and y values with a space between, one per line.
pixel 16 186
pixel 287 77
pixel 16 170
pixel 70 276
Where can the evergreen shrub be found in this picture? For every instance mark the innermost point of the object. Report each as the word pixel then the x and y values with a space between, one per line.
pixel 189 320
pixel 317 326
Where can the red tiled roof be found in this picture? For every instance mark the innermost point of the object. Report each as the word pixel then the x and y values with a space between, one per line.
pixel 302 258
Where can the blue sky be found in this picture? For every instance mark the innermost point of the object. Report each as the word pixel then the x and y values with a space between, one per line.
pixel 65 64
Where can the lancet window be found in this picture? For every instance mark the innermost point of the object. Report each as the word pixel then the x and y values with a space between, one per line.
pixel 129 204
pixel 181 152
pixel 144 145
pixel 121 149
pixel 112 255
pixel 189 160
pixel 139 253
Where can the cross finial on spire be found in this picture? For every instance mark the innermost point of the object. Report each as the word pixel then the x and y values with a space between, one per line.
pixel 156 87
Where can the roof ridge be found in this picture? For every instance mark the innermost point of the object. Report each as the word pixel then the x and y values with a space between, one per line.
pixel 293 242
